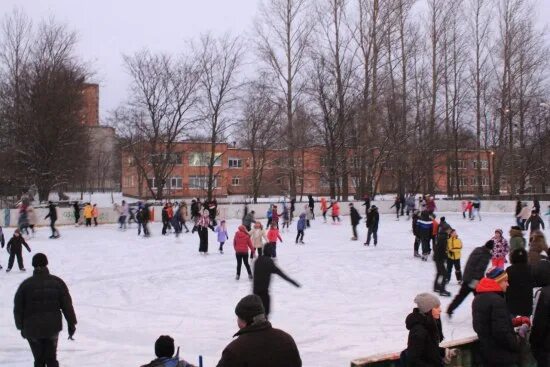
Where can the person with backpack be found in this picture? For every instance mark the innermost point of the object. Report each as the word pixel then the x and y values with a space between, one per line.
pixel 373 219
pixel 15 249
pixel 164 350
pixel 355 219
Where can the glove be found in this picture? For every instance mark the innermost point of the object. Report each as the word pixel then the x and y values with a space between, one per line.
pixel 450 353
pixel 72 330
pixel 521 320
pixel 523 330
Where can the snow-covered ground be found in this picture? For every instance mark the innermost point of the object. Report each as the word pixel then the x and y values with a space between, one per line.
pixel 128 290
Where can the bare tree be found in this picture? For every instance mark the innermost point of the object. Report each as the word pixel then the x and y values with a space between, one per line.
pixel 158 114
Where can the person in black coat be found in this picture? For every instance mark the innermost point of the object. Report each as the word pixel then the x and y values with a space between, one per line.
pixel 76 211
pixel 540 330
pixel 355 218
pixel 440 258
pixel 424 227
pixel 258 344
pixel 473 272
pixel 15 248
pixel 397 206
pixel 416 244
pixel 535 221
pixel 519 295
pixel 264 266
pixel 491 320
pixel 52 214
pixel 425 333
pixel 38 304
pixel 373 219
pixel 165 219
pixel 311 205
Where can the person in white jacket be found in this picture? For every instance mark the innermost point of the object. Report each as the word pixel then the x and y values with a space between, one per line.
pixel 523 215
pixel 258 237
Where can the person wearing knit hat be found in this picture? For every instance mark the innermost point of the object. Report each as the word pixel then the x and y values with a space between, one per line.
pixel 425 333
pixel 491 320
pixel 500 249
pixel 164 350
pixel 258 344
pixel 473 272
pixel 41 323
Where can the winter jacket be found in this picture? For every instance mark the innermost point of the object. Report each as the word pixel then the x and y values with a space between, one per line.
pixel 414 221
pixel 430 206
pixel 516 240
pixel 16 243
pixel 164 214
pixel 52 213
pixel 354 216
pixel 454 248
pixel 222 234
pixel 518 208
pixel 492 323
pixel 423 343
pixel 464 205
pixel 301 225
pixel 31 213
pixel 476 265
pixel 95 212
pixel 373 218
pixel 273 235
pixel 335 209
pixel 410 203
pixel 519 295
pixel 275 215
pixel 540 329
pixel 261 345
pixel 525 213
pixel 264 266
pixel 248 219
pixel 88 212
pixel 242 241
pixel 425 226
pixel 323 205
pixel 2 239
pixel 537 247
pixel 168 362
pixel 39 302
pixel 501 248
pixel 257 235
pixel 183 213
pixel 535 221
pixel 396 204
pixel 204 221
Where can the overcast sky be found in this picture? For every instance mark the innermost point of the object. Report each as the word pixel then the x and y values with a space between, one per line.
pixel 109 28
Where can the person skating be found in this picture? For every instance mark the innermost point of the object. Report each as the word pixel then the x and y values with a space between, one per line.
pixel 424 228
pixel 272 236
pixel 430 204
pixel 33 220
pixel 410 203
pixel 221 230
pixel 534 222
pixel 76 213
pixel 286 217
pixel 464 208
pixel 537 247
pixel 536 204
pixel 164 350
pixel 249 219
pixel 454 251
pixel 324 209
pixel 203 224
pixel 301 227
pixel 15 249
pixel 499 345
pixel 52 214
pixel 292 208
pixel 397 206
pixel 335 211
pixel 501 249
pixel 268 215
pixel 435 229
pixel 258 237
pixel 516 239
pixel 38 304
pixel 183 215
pixel 355 218
pixel 425 334
pixel 473 272
pixel 88 214
pixel 519 206
pixel 264 266
pixel 23 220
pixel 309 216
pixel 213 211
pixel 523 216
pixel 2 240
pixel 366 204
pixel 165 219
pixel 145 218
pixel 311 205
pixel 258 344
pixel 95 214
pixel 476 205
pixel 519 295
pixel 440 258
pixel 373 219
pixel 416 234
pixel 242 243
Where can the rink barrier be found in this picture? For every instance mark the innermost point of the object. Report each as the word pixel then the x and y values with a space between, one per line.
pixel 234 211
pixel 468 356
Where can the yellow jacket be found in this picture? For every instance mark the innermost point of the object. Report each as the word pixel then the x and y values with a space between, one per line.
pixel 454 248
pixel 88 211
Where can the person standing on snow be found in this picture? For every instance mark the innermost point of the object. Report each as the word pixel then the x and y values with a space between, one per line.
pixel 272 236
pixel 473 272
pixel 500 251
pixel 311 205
pixel 440 257
pixel 52 214
pixel 221 230
pixel 324 209
pixel 203 224
pixel 534 221
pixel 241 243
pixel 264 266
pixel 88 214
pixel 454 250
pixel 301 227
pixel 424 228
pixel 373 219
pixel 397 206
pixel 258 236
pixel 95 214
pixel 15 249
pixel 355 218
pixel 76 213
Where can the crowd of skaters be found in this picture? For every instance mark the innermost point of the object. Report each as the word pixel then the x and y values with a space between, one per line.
pixel 530 267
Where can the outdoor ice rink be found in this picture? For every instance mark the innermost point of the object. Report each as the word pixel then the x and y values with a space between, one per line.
pixel 128 290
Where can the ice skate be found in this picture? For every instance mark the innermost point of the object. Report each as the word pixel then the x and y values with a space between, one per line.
pixel 366 244
pixel 416 254
pixel 250 276
pixel 302 242
pixel 444 293
pixel 354 238
pixel 8 270
pixel 22 269
pixel 237 277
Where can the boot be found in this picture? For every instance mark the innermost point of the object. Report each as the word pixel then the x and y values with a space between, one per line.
pixel 459 277
pixel 416 254
pixel 250 276
pixel 366 244
pixel 444 293
pixel 237 277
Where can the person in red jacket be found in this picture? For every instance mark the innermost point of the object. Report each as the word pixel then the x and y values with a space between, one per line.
pixel 335 211
pixel 241 243
pixel 272 236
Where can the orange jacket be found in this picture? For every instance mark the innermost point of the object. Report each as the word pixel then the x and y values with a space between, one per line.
pixel 323 204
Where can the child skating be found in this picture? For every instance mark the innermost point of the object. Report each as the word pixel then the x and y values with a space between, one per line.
pixel 221 230
pixel 272 236
pixel 301 227
pixel 15 247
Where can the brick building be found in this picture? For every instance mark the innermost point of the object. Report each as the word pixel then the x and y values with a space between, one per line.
pixel 90 108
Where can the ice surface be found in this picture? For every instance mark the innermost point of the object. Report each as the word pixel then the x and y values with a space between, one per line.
pixel 128 290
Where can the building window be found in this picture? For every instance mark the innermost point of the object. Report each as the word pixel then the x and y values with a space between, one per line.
pixel 201 182
pixel 484 181
pixel 130 161
pixel 463 181
pixel 235 163
pixel 484 164
pixel 175 183
pixel 129 181
pixel 201 159
pixel 152 183
pixel 236 181
pixel 279 181
pixel 171 158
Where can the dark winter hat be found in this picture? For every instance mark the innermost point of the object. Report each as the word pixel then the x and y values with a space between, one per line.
pixel 518 228
pixel 426 302
pixel 497 274
pixel 442 218
pixel 164 346
pixel 490 244
pixel 39 260
pixel 518 256
pixel 250 309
